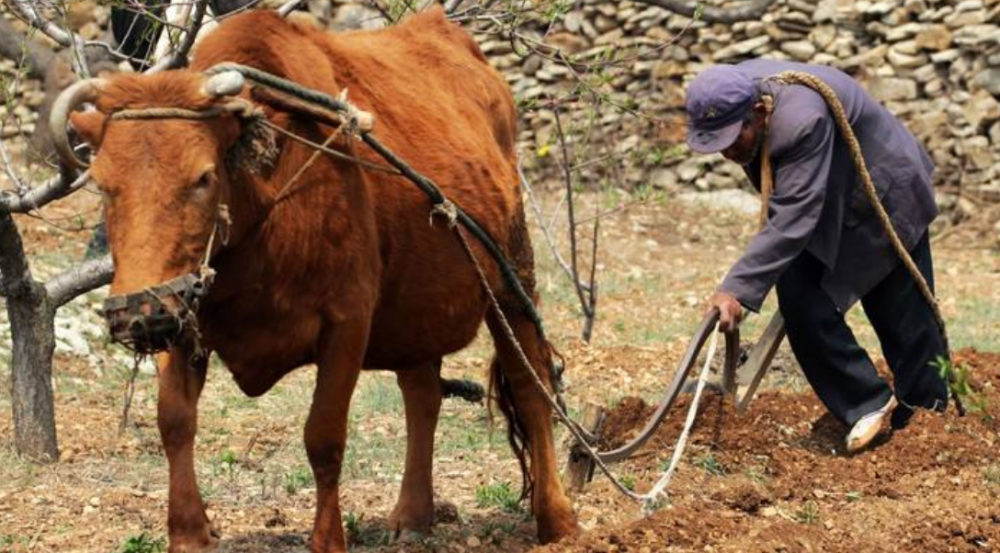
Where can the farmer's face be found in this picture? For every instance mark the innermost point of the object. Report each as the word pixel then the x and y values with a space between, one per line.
pixel 747 144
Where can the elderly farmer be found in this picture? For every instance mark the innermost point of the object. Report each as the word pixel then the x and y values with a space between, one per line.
pixel 820 243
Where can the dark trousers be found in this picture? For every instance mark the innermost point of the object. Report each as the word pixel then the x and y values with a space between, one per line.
pixel 838 369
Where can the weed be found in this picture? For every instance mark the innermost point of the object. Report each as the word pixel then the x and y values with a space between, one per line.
pixel 711 465
pixel 297 478
pixel 495 532
pixel 144 543
pixel 498 495
pixel 758 474
pixel 360 534
pixel 853 496
pixel 228 460
pixel 957 377
pixel 628 481
pixel 808 514
pixel 992 475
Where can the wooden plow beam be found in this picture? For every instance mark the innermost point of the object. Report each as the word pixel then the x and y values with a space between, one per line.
pixel 580 468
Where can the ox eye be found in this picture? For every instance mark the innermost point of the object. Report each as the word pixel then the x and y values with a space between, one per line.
pixel 205 181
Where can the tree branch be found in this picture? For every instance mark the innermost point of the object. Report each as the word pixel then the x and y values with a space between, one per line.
pixel 546 232
pixel 753 9
pixel 80 279
pixel 287 7
pixel 26 10
pixel 180 56
pixel 15 273
pixel 38 196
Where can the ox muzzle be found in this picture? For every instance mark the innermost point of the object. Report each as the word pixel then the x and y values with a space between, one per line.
pixel 160 317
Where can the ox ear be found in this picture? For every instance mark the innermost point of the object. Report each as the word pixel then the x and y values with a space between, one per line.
pixel 89 125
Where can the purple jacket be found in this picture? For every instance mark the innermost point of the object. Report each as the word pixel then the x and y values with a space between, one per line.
pixel 818 204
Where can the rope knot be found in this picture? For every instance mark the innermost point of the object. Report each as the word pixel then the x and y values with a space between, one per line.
pixel 447 209
pixel 354 121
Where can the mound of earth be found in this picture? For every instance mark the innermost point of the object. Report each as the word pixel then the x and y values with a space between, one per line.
pixel 777 479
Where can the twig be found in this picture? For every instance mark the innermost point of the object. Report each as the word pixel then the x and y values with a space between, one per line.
pixel 80 279
pixel 287 7
pixel 586 297
pixel 26 11
pixel 383 10
pixel 622 207
pixel 546 232
pixel 180 56
pixel 129 394
pixel 38 196
pixel 8 168
pixel 588 325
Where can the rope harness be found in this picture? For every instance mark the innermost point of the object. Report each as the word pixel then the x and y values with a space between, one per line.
pixel 840 116
pixel 260 146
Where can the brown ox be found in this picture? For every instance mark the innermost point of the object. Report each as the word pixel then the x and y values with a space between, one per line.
pixel 345 272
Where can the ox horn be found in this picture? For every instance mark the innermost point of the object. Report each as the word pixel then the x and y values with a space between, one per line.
pixel 78 93
pixel 227 83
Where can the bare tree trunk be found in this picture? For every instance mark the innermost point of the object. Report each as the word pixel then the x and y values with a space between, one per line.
pixel 32 318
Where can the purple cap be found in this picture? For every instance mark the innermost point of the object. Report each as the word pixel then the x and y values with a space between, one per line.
pixel 718 100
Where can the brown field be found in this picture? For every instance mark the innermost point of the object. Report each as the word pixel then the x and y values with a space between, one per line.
pixel 774 479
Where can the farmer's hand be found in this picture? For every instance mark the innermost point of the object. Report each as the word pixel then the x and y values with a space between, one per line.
pixel 730 310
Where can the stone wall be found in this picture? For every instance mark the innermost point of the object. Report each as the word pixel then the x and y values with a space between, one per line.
pixel 934 63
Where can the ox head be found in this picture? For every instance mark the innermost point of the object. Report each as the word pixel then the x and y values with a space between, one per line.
pixel 161 143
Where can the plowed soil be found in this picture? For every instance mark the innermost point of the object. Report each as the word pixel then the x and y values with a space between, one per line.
pixel 777 479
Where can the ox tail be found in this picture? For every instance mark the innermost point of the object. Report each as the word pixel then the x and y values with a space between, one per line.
pixel 462 389
pixel 502 394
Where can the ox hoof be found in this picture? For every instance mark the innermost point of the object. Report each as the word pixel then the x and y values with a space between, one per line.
pixel 409 536
pixel 555 530
pixel 193 546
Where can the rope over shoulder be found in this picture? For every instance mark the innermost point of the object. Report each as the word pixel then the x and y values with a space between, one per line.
pixel 840 116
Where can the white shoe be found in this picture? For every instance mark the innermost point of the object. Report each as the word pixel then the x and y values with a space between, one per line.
pixel 869 426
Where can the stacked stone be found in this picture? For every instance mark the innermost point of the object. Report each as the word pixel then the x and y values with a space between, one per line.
pixel 934 63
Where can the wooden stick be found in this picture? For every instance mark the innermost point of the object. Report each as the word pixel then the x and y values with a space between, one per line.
pixel 580 468
pixel 760 358
pixel 292 104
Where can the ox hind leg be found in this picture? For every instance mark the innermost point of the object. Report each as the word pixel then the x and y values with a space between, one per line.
pixel 414 512
pixel 180 386
pixel 530 418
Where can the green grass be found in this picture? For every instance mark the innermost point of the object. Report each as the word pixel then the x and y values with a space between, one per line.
pixel 628 481
pixel 710 464
pixel 498 495
pixel 366 534
pixel 144 543
pixel 297 478
pixel 808 514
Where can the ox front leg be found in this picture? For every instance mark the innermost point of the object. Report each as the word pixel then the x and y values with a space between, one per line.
pixel 180 385
pixel 533 417
pixel 326 428
pixel 414 512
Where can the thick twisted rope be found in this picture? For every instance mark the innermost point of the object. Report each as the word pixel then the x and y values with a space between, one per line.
pixel 651 499
pixel 840 116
